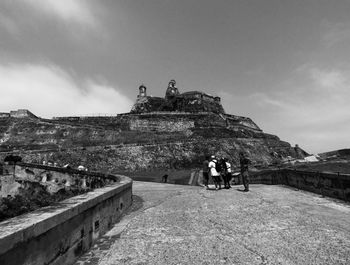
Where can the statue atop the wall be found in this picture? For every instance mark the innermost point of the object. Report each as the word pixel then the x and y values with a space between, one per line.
pixel 172 90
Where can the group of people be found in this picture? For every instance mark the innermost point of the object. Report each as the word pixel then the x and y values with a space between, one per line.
pixel 220 170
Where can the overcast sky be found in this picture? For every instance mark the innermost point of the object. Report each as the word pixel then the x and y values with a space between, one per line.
pixel 285 64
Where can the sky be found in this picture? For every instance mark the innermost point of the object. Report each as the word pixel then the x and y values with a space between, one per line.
pixel 284 64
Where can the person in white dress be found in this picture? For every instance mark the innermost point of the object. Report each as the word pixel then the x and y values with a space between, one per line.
pixel 213 173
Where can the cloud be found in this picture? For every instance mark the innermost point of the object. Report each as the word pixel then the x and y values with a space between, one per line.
pixel 9 25
pixel 48 90
pixel 311 109
pixel 335 33
pixel 77 11
pixel 332 79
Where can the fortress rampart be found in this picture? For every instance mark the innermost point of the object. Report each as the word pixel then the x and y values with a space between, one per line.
pixel 17 178
pixel 127 120
pixel 60 233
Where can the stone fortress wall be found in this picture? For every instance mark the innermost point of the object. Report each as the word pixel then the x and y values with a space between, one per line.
pixel 60 233
pixel 21 176
pixel 155 118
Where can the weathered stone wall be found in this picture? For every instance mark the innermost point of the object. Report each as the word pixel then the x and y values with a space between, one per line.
pixel 161 126
pixel 19 177
pixel 127 121
pixel 59 234
pixel 327 184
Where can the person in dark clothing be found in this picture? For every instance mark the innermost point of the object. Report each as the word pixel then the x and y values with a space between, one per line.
pixel 244 162
pixel 224 173
pixel 165 178
pixel 206 172
pixel 228 172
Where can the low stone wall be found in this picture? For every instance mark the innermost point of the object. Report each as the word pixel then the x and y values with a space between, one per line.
pixel 60 233
pixel 19 177
pixel 327 184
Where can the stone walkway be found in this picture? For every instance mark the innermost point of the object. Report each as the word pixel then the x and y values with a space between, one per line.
pixel 173 224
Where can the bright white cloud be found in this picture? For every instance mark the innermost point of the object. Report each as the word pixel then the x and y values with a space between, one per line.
pixel 49 91
pixel 67 10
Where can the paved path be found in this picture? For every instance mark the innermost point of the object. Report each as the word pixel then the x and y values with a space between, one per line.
pixel 173 224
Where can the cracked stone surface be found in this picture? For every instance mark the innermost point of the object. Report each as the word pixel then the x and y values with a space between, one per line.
pixel 173 224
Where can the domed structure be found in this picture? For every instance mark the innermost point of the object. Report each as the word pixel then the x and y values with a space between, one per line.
pixel 142 91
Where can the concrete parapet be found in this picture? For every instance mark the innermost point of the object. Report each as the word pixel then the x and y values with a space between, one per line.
pixel 58 234
pixel 21 176
pixel 327 184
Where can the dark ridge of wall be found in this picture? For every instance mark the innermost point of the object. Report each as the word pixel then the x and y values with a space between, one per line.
pixel 327 184
pixel 70 171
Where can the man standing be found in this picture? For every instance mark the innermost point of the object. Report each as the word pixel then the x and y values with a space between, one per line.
pixel 244 162
pixel 206 172
pixel 224 173
pixel 228 172
pixel 214 173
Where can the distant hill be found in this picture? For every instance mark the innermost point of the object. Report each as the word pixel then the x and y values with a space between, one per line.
pixel 341 153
